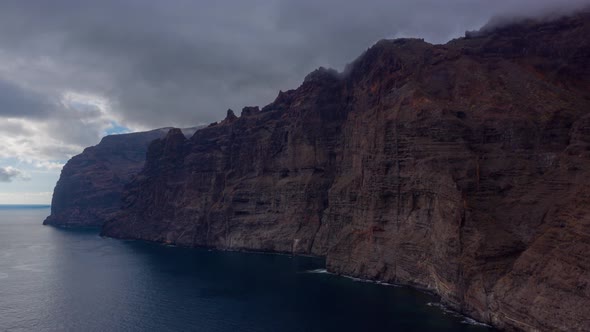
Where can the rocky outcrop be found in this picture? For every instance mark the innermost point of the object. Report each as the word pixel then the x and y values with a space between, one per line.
pixel 91 183
pixel 461 168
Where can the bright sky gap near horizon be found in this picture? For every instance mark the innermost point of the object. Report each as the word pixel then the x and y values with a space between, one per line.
pixel 74 71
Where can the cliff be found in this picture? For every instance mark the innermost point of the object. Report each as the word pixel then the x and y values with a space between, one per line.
pixel 460 168
pixel 90 185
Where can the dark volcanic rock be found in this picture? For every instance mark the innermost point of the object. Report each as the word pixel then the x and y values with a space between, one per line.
pixel 250 110
pixel 90 186
pixel 461 168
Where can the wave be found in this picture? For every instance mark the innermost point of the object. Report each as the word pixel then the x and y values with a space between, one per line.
pixel 377 282
pixel 465 319
pixel 318 271
pixel 442 307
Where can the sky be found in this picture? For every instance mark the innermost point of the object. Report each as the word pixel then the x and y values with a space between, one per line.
pixel 72 71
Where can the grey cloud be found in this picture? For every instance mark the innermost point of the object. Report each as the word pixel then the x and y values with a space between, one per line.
pixel 7 174
pixel 34 124
pixel 179 59
pixel 14 128
pixel 17 102
pixel 336 31
pixel 181 63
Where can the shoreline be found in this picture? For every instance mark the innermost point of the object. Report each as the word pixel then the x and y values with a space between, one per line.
pixel 443 307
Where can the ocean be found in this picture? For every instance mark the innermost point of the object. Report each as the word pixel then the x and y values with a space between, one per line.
pixel 54 279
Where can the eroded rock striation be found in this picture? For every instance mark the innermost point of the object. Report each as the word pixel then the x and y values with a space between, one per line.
pixel 461 168
pixel 90 185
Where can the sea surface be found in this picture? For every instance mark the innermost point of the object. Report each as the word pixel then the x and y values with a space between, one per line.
pixel 54 279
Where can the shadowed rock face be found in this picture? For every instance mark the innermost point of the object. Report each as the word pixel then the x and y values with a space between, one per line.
pixel 461 168
pixel 90 186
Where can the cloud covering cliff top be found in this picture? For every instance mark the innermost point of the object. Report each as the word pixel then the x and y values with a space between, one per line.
pixel 73 71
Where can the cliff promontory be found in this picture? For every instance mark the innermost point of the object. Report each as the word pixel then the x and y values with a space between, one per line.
pixel 91 183
pixel 463 169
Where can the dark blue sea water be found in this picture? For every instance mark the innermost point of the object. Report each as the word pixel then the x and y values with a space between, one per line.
pixel 55 279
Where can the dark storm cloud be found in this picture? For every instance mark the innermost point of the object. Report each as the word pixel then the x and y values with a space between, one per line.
pixel 181 62
pixel 17 102
pixel 157 58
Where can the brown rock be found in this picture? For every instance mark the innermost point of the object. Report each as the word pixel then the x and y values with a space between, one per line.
pixel 230 117
pixel 250 110
pixel 460 168
pixel 91 183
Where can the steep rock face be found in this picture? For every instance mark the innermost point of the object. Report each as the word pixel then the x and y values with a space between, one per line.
pixel 460 168
pixel 91 183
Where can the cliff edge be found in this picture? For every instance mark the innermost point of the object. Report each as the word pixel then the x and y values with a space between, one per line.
pixel 90 185
pixel 460 168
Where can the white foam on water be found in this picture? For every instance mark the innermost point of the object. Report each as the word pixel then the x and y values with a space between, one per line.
pixel 318 271
pixel 471 321
pixel 324 271
pixel 442 307
pixel 377 282
pixel 447 310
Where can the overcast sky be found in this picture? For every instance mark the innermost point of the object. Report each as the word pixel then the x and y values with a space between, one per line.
pixel 72 71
